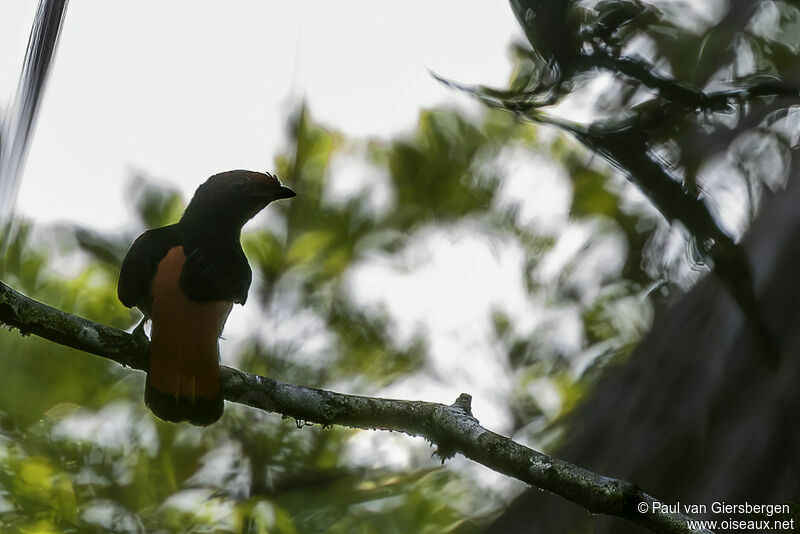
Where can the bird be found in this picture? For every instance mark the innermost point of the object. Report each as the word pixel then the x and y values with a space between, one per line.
pixel 185 279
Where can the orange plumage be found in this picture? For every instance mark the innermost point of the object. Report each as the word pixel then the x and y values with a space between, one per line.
pixel 184 351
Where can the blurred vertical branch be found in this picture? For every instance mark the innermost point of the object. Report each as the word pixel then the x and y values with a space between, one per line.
pixel 17 126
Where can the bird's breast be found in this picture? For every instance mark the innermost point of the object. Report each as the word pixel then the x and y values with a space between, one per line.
pixel 172 305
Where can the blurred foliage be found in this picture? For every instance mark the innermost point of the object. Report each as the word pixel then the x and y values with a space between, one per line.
pixel 691 102
pixel 661 116
pixel 79 452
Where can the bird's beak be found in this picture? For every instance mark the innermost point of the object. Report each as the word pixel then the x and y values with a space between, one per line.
pixel 285 192
pixel 272 193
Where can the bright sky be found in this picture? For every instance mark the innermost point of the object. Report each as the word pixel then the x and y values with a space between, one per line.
pixel 184 89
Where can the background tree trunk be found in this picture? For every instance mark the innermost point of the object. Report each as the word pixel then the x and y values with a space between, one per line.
pixel 697 415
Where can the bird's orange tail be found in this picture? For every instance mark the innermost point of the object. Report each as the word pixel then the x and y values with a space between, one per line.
pixel 183 381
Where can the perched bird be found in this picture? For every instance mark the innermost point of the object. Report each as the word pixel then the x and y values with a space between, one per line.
pixel 185 278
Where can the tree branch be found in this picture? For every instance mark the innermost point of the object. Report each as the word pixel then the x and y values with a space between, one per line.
pixel 684 94
pixel 452 428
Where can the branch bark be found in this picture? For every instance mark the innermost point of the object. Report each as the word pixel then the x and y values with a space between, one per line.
pixel 451 428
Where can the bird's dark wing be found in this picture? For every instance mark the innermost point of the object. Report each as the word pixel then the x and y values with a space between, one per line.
pixel 140 263
pixel 216 273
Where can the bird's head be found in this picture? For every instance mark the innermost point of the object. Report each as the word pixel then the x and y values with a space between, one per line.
pixel 230 199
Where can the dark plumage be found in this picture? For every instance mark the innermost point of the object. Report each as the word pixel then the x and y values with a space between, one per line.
pixel 185 277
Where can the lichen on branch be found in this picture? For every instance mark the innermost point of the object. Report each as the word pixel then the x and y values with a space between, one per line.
pixel 451 428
